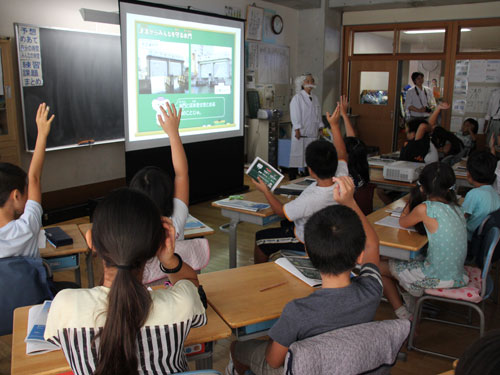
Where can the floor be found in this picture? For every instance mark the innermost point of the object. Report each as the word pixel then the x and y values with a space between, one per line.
pixel 453 340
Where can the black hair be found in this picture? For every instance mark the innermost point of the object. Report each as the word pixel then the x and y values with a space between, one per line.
pixel 11 178
pixel 358 159
pixel 334 239
pixel 322 158
pixel 157 185
pixel 481 166
pixel 440 136
pixel 127 231
pixel 474 123
pixel 415 75
pixel 482 356
pixel 437 180
pixel 414 124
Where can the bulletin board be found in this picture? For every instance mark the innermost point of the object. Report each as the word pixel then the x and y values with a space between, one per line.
pixel 475 81
pixel 270 62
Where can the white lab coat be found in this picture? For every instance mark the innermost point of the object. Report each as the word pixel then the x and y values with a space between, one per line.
pixel 306 116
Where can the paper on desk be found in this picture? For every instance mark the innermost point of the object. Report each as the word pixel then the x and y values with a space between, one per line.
pixel 37 319
pixel 287 265
pixel 393 222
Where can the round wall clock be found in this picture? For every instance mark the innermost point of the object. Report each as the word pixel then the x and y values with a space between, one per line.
pixel 277 24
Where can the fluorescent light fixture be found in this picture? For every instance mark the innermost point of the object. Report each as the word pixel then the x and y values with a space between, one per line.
pixel 432 31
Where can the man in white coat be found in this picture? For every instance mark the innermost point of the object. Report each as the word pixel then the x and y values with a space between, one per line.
pixel 305 113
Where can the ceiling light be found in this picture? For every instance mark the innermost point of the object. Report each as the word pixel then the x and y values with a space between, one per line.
pixel 431 31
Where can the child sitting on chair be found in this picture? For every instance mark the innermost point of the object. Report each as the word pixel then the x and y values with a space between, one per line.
pixel 483 199
pixel 20 199
pixel 323 163
pixel 337 237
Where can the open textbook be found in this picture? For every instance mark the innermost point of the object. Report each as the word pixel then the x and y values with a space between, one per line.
pixel 37 319
pixel 301 267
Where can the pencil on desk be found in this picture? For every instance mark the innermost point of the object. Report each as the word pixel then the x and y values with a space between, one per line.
pixel 273 286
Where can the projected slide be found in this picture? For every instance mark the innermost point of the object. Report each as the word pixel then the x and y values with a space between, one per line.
pixel 193 61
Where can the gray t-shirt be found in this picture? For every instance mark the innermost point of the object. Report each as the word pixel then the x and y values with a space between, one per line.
pixel 330 308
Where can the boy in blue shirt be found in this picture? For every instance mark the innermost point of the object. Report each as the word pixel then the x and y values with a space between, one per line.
pixel 336 239
pixel 21 197
pixel 483 199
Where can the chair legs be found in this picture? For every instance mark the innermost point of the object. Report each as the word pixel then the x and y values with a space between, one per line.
pixel 417 318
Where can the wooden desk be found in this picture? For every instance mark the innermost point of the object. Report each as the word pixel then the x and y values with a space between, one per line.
pixel 262 217
pixel 55 362
pixel 79 246
pixel 394 242
pixel 235 294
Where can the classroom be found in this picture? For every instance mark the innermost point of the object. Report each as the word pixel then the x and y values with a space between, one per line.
pixel 366 50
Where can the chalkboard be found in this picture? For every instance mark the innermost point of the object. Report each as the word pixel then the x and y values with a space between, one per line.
pixel 82 84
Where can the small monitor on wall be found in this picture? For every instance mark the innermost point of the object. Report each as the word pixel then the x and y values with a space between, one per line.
pixel 191 59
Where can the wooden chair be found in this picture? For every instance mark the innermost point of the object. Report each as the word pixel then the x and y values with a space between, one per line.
pixel 473 295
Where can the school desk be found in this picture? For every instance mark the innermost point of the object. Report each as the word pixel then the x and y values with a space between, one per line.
pixel 251 298
pixel 262 217
pixel 55 362
pixel 394 242
pixel 68 257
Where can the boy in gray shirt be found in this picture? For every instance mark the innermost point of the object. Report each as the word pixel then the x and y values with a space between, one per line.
pixel 336 238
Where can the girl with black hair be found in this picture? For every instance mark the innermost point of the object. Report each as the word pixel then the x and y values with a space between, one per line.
pixel 121 327
pixel 444 222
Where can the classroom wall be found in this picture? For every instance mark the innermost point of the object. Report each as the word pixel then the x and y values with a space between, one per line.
pixel 75 167
pixel 448 12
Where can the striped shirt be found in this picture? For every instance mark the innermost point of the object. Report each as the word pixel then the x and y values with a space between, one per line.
pixel 77 315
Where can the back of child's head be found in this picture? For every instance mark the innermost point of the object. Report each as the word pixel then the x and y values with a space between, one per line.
pixel 481 166
pixel 11 178
pixel 126 232
pixel 358 159
pixel 413 124
pixel 322 158
pixel 157 185
pixel 334 239
pixel 437 180
pixel 482 356
pixel 474 124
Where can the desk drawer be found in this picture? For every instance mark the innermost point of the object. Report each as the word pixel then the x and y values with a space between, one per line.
pixel 67 262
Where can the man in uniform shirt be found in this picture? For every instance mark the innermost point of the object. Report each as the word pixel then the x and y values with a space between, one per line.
pixel 420 100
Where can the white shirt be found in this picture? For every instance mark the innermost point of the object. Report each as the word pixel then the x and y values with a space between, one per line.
pixel 76 315
pixel 418 100
pixel 179 217
pixel 493 111
pixel 20 237
pixel 310 201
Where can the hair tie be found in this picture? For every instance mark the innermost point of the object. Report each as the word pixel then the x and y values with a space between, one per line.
pixel 123 266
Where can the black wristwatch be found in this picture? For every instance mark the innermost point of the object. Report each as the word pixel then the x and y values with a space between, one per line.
pixel 172 270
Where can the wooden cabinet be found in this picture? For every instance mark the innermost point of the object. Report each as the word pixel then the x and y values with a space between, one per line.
pixel 9 131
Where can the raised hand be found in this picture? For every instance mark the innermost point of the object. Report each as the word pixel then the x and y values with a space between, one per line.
pixel 344 105
pixel 43 124
pixel 170 122
pixel 443 105
pixel 334 118
pixel 260 185
pixel 343 190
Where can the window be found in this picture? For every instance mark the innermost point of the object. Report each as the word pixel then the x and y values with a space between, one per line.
pixel 422 41
pixel 373 88
pixel 372 42
pixel 479 39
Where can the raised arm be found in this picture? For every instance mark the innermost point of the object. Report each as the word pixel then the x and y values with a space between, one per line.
pixel 344 105
pixel 343 193
pixel 35 171
pixel 170 261
pixel 275 204
pixel 338 141
pixel 170 125
pixel 434 116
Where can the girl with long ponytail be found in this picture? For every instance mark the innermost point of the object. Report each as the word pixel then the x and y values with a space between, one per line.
pixel 121 327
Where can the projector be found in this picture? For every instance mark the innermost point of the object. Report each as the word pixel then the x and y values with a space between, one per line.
pixel 405 171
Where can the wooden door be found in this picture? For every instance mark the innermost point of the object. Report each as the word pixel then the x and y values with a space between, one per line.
pixel 372 96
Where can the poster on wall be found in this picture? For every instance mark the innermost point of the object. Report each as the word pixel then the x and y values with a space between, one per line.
pixel 30 56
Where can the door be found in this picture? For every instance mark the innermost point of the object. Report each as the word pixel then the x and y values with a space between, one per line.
pixel 372 97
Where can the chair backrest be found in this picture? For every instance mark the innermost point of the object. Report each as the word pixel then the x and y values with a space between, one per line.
pixel 23 282
pixel 363 348
pixel 478 244
pixel 490 244
pixel 195 252
pixel 364 197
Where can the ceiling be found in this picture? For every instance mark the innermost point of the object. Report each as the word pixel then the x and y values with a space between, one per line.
pixel 354 5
